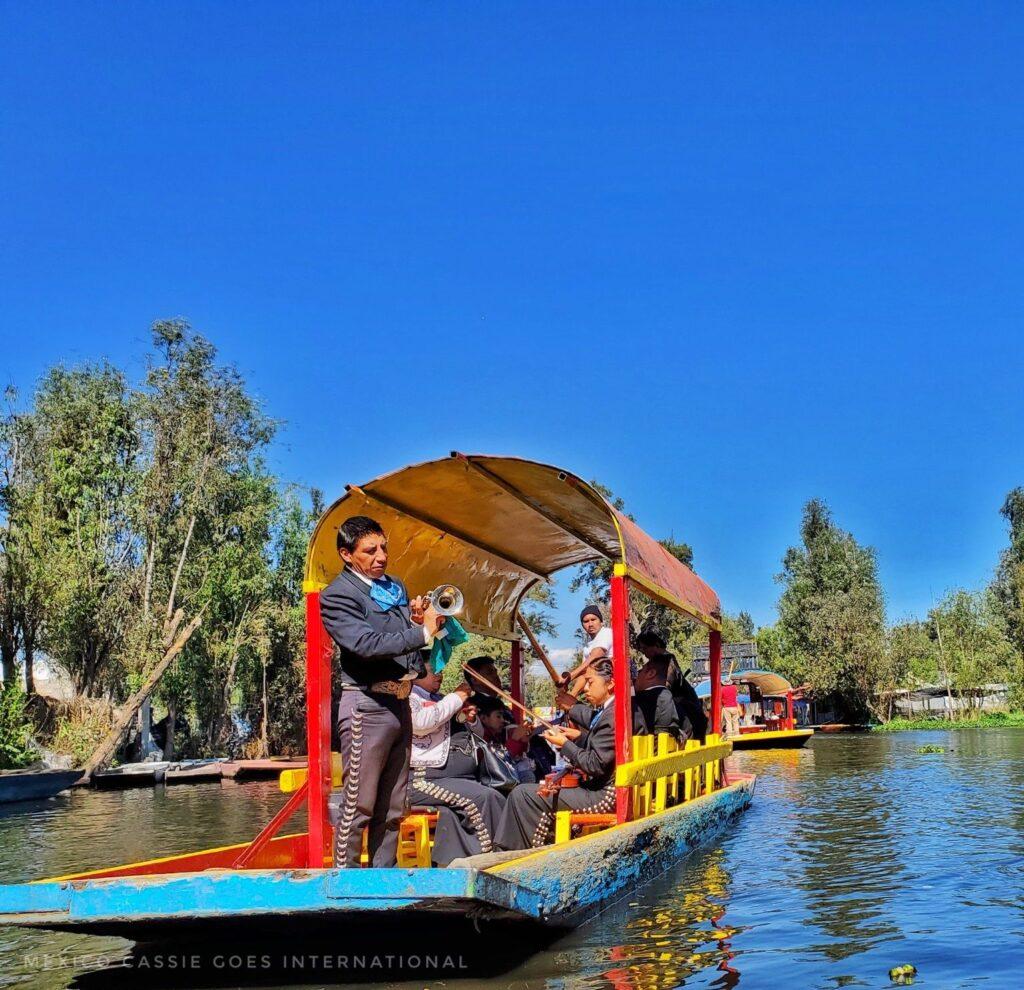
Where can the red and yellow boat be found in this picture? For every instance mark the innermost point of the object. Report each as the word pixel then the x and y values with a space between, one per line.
pixel 495 526
pixel 777 728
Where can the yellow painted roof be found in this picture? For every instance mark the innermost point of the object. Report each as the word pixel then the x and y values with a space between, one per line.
pixel 494 526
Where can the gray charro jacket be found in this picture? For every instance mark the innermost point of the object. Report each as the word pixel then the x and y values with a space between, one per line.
pixel 373 645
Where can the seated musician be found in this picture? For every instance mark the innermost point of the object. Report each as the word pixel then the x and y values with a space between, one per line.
pixel 654 702
pixel 529 815
pixel 482 672
pixel 496 724
pixel 443 772
pixel 693 721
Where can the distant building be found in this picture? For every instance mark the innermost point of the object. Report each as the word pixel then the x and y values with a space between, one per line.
pixel 934 699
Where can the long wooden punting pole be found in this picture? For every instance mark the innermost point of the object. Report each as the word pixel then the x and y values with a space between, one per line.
pixel 538 650
pixel 515 676
pixel 504 694
pixel 623 697
pixel 318 730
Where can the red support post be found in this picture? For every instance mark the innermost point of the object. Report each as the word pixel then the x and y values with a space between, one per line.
pixel 516 678
pixel 715 674
pixel 623 684
pixel 318 730
pixel 790 721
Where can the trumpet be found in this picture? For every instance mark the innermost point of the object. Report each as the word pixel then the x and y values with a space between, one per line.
pixel 446 599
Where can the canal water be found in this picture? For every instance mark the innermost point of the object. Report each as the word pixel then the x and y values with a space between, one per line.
pixel 858 854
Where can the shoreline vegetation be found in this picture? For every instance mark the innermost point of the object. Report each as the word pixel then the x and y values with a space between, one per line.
pixel 984 720
pixel 148 551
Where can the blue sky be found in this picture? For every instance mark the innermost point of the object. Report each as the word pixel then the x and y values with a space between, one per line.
pixel 721 256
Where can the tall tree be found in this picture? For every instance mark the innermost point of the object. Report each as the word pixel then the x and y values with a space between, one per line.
pixel 971 645
pixel 1008 586
pixel 85 464
pixel 831 614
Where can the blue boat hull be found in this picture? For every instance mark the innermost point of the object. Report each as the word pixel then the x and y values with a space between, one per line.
pixel 558 886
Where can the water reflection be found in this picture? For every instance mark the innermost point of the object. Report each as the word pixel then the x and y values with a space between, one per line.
pixel 677 929
pixel 858 854
pixel 848 849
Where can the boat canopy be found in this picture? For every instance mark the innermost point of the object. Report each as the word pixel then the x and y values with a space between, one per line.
pixel 495 526
pixel 771 685
pixel 768 683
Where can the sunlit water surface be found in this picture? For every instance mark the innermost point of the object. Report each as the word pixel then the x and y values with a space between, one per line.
pixel 858 854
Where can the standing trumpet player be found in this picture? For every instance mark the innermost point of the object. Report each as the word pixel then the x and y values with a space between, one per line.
pixel 379 634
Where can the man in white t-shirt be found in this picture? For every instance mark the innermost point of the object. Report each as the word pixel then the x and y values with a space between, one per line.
pixel 600 643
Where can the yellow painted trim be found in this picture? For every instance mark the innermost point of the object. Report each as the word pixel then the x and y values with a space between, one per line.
pixel 646 770
pixel 777 734
pixel 162 859
pixel 604 833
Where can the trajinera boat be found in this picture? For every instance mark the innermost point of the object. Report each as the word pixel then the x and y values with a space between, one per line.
pixel 772 697
pixel 493 526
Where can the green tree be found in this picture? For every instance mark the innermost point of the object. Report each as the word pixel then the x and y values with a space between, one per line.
pixel 831 615
pixel 1008 585
pixel 745 624
pixel 205 512
pixel 971 645
pixel 83 446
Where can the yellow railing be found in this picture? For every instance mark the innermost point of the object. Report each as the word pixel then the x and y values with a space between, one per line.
pixel 662 773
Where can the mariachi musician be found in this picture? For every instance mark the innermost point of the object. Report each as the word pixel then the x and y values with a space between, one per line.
pixel 529 815
pixel 379 634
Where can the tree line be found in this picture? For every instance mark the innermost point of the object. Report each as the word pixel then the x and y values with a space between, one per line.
pixel 832 633
pixel 144 540
pixel 141 533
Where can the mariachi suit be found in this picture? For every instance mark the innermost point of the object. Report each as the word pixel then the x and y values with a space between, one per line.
pixel 529 818
pixel 444 777
pixel 379 654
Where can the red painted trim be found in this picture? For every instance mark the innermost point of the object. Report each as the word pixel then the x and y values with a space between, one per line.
pixel 715 673
pixel 318 730
pixel 623 699
pixel 271 829
pixel 516 677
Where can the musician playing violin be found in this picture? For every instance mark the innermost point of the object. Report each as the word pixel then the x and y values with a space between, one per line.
pixel 529 816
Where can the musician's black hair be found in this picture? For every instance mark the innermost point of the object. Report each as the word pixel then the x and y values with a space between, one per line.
pixel 650 638
pixel 478 663
pixel 485 704
pixel 353 530
pixel 603 668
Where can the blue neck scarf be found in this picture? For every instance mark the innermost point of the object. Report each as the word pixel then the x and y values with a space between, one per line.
pixel 387 593
pixel 597 717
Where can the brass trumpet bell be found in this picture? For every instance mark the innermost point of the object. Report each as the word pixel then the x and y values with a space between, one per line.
pixel 446 599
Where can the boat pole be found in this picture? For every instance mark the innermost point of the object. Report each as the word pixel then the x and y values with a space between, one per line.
pixel 715 675
pixel 515 676
pixel 318 730
pixel 538 650
pixel 623 682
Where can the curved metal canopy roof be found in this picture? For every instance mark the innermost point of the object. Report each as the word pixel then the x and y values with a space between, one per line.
pixel 494 526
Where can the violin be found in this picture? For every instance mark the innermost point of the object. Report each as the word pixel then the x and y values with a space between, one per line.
pixel 554 782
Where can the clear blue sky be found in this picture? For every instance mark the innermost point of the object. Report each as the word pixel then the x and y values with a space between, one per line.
pixel 721 256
